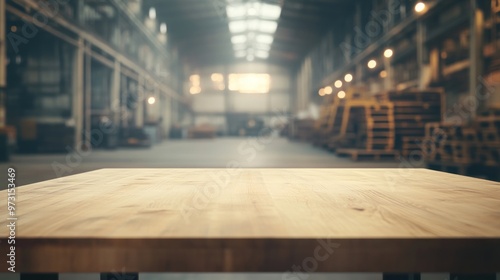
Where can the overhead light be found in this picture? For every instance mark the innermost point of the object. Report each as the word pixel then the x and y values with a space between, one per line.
pixel 163 28
pixel 328 90
pixel 348 78
pixel 265 39
pixel 383 74
pixel 252 12
pixel 195 90
pixel 388 53
pixel 372 64
pixel 238 39
pixel 253 24
pixel 194 78
pixel 270 11
pixel 321 92
pixel 151 100
pixel 262 54
pixel 338 84
pixel 341 94
pixel 268 26
pixel 237 26
pixel 235 11
pixel 253 8
pixel 217 77
pixel 250 57
pixel 420 7
pixel 152 13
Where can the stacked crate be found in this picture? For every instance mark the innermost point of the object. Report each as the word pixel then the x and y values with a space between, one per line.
pixel 464 147
pixel 413 109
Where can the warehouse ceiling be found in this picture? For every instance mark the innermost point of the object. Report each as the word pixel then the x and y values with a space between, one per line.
pixel 200 29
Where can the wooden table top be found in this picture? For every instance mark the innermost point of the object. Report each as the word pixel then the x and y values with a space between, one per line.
pixel 380 220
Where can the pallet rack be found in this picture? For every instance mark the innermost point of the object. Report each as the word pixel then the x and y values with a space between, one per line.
pixel 412 110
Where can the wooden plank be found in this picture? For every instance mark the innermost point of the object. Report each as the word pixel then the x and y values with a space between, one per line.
pixel 363 220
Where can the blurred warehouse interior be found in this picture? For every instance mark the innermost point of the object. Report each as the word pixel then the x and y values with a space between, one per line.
pixel 414 82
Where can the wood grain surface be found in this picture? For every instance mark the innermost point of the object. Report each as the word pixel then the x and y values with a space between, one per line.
pixel 332 220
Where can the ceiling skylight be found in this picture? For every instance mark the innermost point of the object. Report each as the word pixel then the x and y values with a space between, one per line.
pixel 264 39
pixel 269 11
pixel 237 10
pixel 252 25
pixel 262 54
pixel 238 39
pixel 268 26
pixel 237 26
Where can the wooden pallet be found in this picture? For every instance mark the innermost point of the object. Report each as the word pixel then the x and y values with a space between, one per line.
pixel 412 110
pixel 428 95
pixel 413 146
pixel 372 123
pixel 357 154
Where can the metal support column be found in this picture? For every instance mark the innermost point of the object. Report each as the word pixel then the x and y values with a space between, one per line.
pixel 88 95
pixel 227 98
pixel 420 52
pixel 139 112
pixel 77 97
pixel 476 51
pixel 155 108
pixel 77 82
pixel 3 65
pixel 115 93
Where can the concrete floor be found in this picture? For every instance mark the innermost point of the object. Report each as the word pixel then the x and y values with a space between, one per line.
pixel 245 152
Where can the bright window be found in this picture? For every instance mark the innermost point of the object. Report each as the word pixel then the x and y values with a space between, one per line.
pixel 249 83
